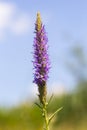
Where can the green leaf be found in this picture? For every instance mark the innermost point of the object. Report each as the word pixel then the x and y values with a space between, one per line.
pixel 50 99
pixel 59 109
pixel 38 105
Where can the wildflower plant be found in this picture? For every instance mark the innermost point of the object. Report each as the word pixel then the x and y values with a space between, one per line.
pixel 42 66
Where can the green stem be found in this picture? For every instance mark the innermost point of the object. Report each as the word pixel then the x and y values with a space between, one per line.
pixel 45 117
pixel 43 106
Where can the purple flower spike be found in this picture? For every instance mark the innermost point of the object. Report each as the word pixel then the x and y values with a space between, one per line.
pixel 41 58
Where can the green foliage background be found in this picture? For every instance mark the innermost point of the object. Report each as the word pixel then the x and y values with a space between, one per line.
pixel 27 116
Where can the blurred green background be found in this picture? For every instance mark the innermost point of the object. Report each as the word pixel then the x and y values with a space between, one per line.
pixel 27 116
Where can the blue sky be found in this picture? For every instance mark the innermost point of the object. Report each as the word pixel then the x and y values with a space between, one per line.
pixel 66 26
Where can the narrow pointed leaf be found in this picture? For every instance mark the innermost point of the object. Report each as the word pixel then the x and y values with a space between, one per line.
pixel 38 105
pixel 59 109
pixel 50 99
